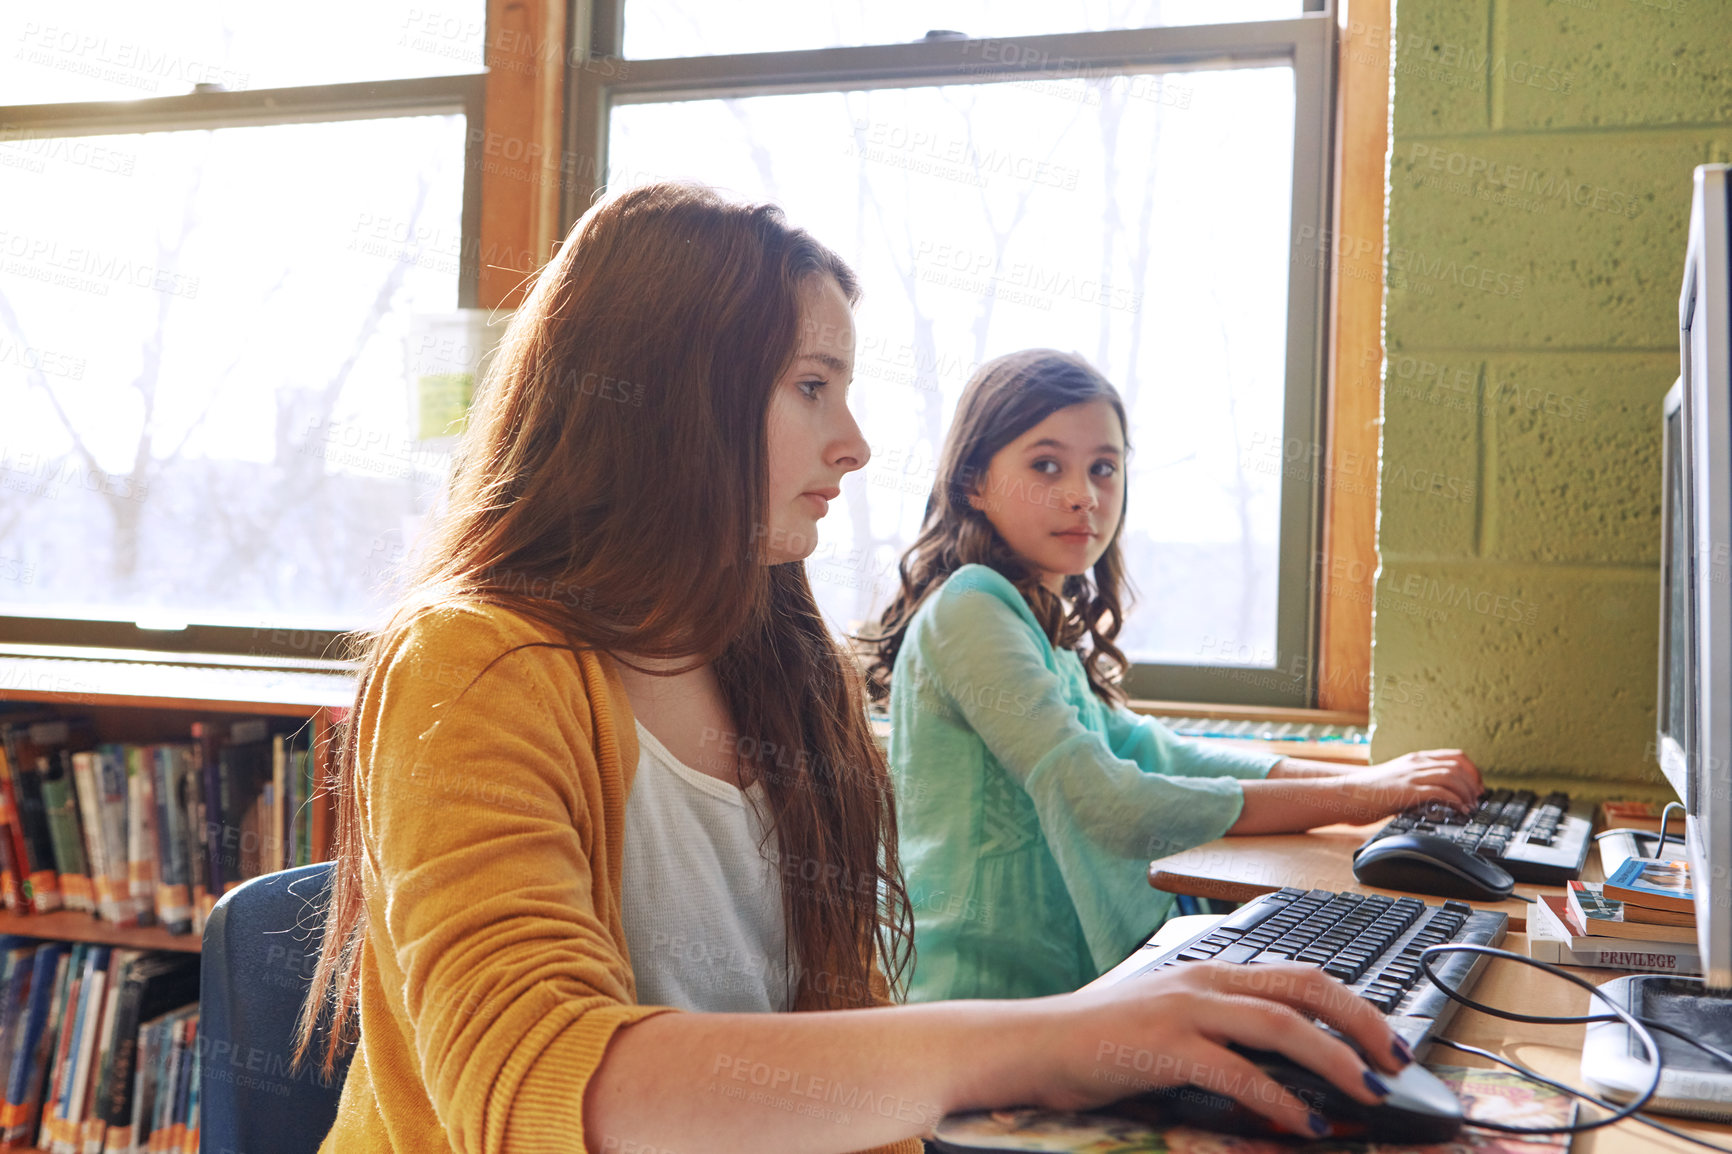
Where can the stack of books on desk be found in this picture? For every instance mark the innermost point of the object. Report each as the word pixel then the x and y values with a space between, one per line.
pixel 1642 918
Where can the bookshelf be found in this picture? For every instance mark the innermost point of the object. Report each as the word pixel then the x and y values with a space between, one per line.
pixel 144 697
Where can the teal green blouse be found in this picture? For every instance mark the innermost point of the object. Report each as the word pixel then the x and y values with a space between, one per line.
pixel 1028 811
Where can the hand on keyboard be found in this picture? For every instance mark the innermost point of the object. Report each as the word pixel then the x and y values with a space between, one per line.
pixel 1174 1027
pixel 1438 777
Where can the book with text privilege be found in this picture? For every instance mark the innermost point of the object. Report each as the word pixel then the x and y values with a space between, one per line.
pixel 1550 939
pixel 1653 883
pixel 1591 912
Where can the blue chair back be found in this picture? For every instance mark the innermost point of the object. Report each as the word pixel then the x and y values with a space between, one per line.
pixel 260 945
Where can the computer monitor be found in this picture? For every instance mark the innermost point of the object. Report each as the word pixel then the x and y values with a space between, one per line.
pixel 1695 704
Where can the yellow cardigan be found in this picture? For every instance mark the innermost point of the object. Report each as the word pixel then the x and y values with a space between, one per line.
pixel 494 970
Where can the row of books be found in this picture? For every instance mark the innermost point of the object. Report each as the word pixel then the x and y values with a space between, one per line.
pixel 98 1048
pixel 149 834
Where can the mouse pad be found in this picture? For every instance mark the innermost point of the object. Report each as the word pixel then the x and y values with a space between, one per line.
pixel 1494 1095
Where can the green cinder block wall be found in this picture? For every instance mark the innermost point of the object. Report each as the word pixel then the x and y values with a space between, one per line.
pixel 1538 197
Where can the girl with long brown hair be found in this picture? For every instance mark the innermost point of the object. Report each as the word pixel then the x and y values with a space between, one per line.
pixel 1030 797
pixel 608 801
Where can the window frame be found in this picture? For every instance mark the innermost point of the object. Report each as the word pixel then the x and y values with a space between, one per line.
pixel 599 78
pixel 215 108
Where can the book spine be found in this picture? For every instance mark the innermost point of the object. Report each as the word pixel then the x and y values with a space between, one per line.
pixel 44 881
pixel 16 970
pixel 301 820
pixel 1564 953
pixel 86 781
pixel 256 773
pixel 12 832
pixel 11 871
pixel 144 1084
pixel 115 1106
pixel 16 1117
pixel 111 802
pixel 173 896
pixel 330 730
pixel 192 789
pixel 141 833
pixel 164 1062
pixel 60 806
pixel 272 845
pixel 11 890
pixel 87 1088
pixel 54 1077
pixel 211 773
pixel 229 766
pixel 183 1078
pixel 191 1146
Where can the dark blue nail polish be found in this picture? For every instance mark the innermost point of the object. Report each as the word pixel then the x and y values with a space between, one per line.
pixel 1319 1125
pixel 1376 1085
pixel 1401 1051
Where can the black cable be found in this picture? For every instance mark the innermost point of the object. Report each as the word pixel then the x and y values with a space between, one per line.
pixel 1536 1076
pixel 1652 1047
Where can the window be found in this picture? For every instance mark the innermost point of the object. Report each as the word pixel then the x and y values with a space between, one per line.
pixel 213 301
pixel 1130 189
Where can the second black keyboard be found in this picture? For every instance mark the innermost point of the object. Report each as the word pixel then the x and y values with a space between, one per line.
pixel 1543 840
pixel 1371 942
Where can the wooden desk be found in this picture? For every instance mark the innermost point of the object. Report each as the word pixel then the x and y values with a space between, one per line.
pixel 1239 868
pixel 1555 1051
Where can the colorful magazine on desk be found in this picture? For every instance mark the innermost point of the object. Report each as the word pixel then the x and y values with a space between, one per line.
pixel 1492 1095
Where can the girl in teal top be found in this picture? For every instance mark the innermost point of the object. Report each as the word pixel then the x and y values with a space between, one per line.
pixel 1029 800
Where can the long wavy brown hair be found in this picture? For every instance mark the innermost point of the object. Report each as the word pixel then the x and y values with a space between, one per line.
pixel 607 486
pixel 1004 399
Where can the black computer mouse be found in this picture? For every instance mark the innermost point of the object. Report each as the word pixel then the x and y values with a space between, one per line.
pixel 1424 863
pixel 1419 1110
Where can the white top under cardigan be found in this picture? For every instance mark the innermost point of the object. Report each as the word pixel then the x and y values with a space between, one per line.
pixel 700 901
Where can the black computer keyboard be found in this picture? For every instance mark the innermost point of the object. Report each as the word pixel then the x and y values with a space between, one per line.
pixel 1371 942
pixel 1543 840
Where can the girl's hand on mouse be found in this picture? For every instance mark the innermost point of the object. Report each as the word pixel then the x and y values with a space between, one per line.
pixel 1431 775
pixel 1173 1028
